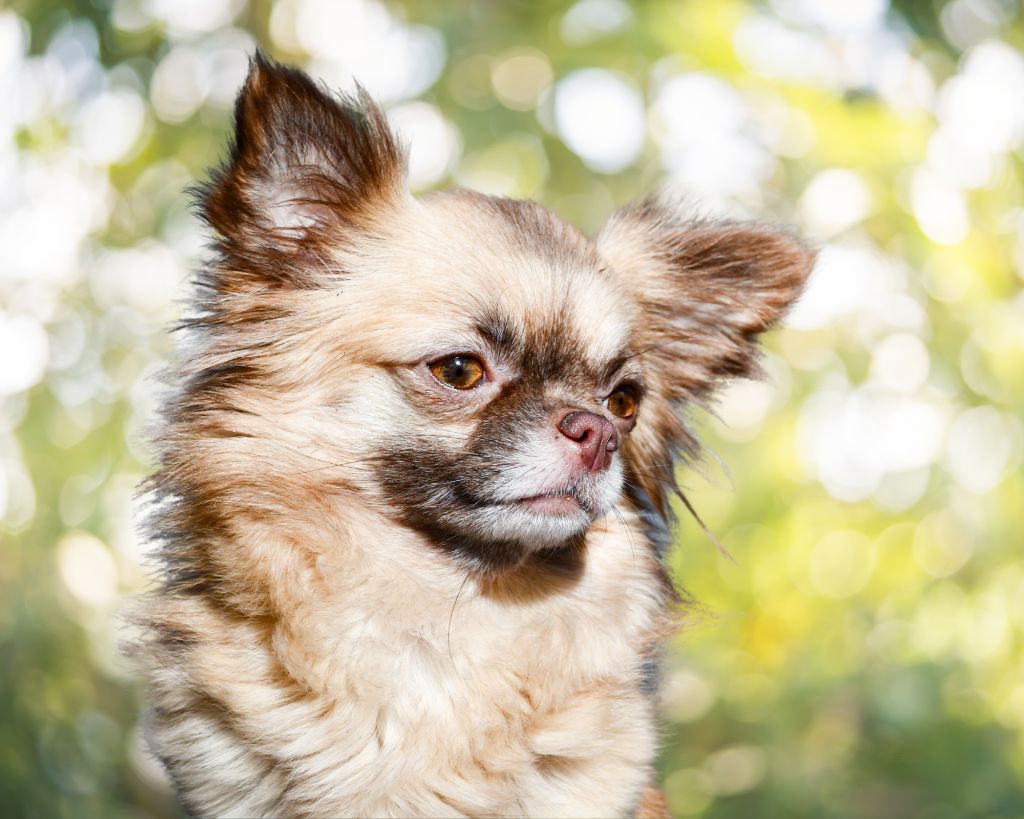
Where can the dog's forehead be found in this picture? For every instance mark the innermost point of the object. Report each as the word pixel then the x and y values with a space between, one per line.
pixel 455 268
pixel 526 279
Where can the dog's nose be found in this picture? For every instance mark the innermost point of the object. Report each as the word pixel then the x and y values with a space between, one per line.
pixel 595 436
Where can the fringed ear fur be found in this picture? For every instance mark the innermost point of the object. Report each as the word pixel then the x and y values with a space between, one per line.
pixel 305 170
pixel 708 290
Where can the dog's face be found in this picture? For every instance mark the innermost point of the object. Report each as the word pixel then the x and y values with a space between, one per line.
pixel 497 381
pixel 506 377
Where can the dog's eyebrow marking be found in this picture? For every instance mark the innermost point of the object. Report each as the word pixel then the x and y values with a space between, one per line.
pixel 499 332
pixel 608 372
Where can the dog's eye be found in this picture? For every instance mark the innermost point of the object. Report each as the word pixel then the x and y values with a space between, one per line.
pixel 461 372
pixel 623 401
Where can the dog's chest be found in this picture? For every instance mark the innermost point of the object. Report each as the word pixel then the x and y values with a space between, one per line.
pixel 386 701
pixel 486 699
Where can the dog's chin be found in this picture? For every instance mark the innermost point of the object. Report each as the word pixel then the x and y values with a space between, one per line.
pixel 535 523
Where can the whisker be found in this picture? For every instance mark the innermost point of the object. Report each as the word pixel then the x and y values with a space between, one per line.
pixel 629 532
pixel 451 615
pixel 689 506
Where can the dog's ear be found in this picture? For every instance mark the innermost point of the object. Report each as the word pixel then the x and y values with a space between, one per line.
pixel 708 290
pixel 305 170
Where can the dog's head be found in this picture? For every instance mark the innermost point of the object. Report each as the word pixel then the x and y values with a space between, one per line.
pixel 471 366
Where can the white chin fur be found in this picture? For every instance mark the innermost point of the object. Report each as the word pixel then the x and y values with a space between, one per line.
pixel 507 522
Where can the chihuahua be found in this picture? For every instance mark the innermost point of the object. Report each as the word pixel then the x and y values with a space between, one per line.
pixel 413 490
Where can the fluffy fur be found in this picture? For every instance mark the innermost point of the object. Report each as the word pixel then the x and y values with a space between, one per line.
pixel 358 615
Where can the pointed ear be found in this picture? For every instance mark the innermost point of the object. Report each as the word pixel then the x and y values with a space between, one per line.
pixel 305 170
pixel 708 290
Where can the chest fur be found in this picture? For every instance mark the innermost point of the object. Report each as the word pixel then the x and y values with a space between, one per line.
pixel 380 695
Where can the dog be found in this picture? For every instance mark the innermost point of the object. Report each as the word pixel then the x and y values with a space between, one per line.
pixel 413 488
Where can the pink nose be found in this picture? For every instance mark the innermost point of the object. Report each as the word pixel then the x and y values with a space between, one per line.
pixel 595 436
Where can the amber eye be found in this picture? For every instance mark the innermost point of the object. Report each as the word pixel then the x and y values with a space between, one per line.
pixel 623 401
pixel 461 372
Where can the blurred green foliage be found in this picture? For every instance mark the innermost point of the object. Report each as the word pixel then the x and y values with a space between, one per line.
pixel 862 653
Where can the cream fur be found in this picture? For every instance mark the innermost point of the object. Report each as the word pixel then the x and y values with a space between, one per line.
pixel 363 703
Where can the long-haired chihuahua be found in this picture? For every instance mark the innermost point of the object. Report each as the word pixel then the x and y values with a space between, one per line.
pixel 412 495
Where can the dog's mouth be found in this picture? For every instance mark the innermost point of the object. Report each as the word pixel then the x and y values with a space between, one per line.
pixel 566 501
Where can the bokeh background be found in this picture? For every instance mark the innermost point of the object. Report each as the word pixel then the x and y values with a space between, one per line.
pixel 864 654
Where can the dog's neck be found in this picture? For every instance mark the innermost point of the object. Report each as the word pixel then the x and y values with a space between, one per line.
pixel 365 578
